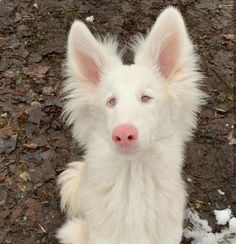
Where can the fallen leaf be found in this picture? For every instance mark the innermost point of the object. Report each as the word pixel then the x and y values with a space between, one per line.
pixel 33 204
pixel 7 143
pixel 22 187
pixel 25 176
pixel 3 195
pixel 15 213
pixel 4 214
pixel 31 146
pixel 44 172
pixel 34 58
pixel 11 73
pixel 230 37
pixel 35 112
pixel 37 185
pixel 38 71
pixel 47 90
pixel 21 117
pixel 31 215
pixel 3 177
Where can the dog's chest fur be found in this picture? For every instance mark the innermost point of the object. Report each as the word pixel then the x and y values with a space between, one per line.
pixel 131 202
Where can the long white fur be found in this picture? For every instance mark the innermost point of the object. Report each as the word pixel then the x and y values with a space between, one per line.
pixel 69 182
pixel 138 197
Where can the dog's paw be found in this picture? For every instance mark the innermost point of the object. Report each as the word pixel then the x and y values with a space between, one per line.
pixel 70 181
pixel 73 232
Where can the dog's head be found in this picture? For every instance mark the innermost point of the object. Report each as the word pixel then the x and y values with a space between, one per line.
pixel 132 106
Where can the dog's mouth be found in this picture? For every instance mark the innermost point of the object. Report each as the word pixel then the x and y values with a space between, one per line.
pixel 126 150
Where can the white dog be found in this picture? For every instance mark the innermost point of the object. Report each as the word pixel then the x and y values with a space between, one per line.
pixel 133 121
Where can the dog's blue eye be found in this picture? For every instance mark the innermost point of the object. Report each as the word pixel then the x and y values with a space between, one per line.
pixel 111 102
pixel 146 99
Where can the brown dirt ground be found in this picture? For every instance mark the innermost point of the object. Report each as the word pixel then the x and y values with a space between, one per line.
pixel 35 147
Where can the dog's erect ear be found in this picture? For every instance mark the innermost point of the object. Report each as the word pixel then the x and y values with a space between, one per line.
pixel 167 46
pixel 87 57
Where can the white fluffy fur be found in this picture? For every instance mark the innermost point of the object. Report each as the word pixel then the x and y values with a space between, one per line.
pixel 135 197
pixel 69 182
pixel 74 231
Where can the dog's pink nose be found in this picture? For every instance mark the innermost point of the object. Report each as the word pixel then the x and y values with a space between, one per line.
pixel 125 135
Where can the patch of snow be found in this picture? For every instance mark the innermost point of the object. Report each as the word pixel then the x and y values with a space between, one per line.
pixel 227 125
pixel 201 232
pixel 200 236
pixel 189 179
pixel 232 225
pixel 232 141
pixel 221 192
pixel 90 18
pixel 222 216
pixel 232 127
pixel 35 5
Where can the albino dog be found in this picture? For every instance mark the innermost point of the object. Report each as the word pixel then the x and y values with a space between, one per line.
pixel 133 121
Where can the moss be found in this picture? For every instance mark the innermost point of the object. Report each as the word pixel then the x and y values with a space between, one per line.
pixel 225 96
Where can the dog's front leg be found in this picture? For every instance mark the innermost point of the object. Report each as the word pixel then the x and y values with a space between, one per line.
pixel 70 182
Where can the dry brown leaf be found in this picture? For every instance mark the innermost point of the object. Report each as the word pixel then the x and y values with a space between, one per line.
pixel 230 37
pixel 38 71
pixel 31 146
pixel 16 213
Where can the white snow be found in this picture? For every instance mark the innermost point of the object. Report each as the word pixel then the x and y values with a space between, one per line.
pixel 232 225
pixel 189 179
pixel 90 18
pixel 232 141
pixel 222 216
pixel 221 192
pixel 201 232
pixel 35 5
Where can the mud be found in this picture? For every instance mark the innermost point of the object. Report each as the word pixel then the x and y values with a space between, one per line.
pixel 34 145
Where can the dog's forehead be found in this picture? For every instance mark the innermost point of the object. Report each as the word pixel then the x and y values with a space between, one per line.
pixel 129 76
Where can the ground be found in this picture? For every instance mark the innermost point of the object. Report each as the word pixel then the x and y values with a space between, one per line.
pixel 35 146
